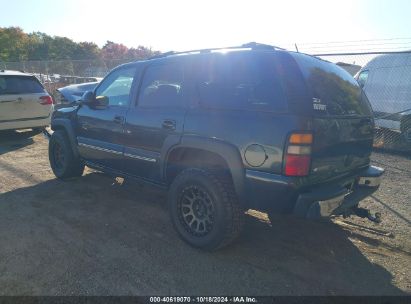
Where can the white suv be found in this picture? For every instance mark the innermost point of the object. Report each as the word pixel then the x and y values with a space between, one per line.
pixel 24 103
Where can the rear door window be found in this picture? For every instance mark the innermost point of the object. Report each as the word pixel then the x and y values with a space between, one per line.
pixel 334 91
pixel 162 86
pixel 241 81
pixel 20 85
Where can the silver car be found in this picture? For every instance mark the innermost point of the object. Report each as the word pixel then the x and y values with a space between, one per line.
pixel 24 102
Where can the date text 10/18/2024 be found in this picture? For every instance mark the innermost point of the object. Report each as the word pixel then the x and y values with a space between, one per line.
pixel 203 300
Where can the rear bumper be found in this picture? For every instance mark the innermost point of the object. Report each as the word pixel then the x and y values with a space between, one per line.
pixel 281 194
pixel 326 201
pixel 25 123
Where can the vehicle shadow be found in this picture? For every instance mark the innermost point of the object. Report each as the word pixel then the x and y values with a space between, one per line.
pixel 400 216
pixel 14 140
pixel 93 235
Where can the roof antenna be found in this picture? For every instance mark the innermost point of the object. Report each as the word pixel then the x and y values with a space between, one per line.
pixel 296 47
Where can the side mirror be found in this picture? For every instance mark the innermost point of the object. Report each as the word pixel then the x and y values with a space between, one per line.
pixel 87 99
pixel 99 102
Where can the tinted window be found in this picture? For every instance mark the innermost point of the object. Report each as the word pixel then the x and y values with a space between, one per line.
pixel 334 91
pixel 20 85
pixel 162 86
pixel 362 78
pixel 117 85
pixel 243 81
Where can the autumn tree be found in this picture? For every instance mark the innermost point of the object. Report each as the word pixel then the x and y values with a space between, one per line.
pixel 15 45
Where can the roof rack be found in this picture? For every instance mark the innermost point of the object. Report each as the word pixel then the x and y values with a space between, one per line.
pixel 250 45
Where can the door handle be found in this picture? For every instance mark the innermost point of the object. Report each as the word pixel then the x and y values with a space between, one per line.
pixel 118 119
pixel 169 124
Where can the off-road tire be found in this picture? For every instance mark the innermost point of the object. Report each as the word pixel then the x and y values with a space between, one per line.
pixel 67 165
pixel 227 213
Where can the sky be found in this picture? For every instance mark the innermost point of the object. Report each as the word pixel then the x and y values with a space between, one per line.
pixel 182 24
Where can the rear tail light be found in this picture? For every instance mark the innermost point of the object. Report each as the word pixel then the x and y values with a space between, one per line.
pixel 298 154
pixel 46 100
pixel 298 138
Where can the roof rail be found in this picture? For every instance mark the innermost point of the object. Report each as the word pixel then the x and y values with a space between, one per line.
pixel 261 46
pixel 250 45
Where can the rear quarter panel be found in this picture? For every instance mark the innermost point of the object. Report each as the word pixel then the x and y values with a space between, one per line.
pixel 245 128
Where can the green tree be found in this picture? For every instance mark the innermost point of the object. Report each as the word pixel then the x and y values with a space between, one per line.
pixel 87 50
pixel 13 44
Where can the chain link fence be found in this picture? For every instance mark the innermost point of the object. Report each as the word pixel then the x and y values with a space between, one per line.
pixel 56 74
pixel 385 77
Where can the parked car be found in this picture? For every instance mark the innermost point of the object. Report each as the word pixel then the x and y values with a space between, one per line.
pixel 68 95
pixel 24 103
pixel 386 80
pixel 225 131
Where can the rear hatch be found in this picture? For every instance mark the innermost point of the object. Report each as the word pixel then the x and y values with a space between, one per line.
pixel 23 97
pixel 341 119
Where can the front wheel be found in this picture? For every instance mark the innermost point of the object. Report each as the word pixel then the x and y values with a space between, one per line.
pixel 63 162
pixel 204 209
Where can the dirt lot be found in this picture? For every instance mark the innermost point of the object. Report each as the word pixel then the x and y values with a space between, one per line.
pixel 96 236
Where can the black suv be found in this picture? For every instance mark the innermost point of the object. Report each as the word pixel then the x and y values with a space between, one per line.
pixel 226 130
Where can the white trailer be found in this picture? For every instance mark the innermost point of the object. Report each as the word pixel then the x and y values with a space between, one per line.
pixel 386 80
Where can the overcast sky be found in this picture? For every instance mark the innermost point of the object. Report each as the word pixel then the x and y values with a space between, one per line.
pixel 183 24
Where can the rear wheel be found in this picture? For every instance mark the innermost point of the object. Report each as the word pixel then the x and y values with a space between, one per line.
pixel 63 162
pixel 204 209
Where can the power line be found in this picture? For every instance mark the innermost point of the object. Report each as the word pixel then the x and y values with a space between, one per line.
pixel 362 53
pixel 351 45
pixel 340 50
pixel 350 41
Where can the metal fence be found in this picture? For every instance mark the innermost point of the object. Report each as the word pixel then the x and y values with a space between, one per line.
pixel 385 76
pixel 80 68
pixel 57 74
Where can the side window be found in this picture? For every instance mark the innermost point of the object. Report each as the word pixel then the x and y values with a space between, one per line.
pixel 241 82
pixel 162 86
pixel 362 78
pixel 117 86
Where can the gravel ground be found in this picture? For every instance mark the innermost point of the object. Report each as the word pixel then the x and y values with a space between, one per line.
pixel 97 236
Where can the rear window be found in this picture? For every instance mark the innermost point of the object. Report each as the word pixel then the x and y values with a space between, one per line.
pixel 334 91
pixel 20 85
pixel 241 81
